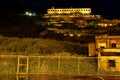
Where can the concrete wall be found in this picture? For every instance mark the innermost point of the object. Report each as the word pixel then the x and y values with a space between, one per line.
pixel 110 47
pixel 104 64
pixel 91 49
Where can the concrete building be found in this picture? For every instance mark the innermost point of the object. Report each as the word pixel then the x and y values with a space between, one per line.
pixel 108 51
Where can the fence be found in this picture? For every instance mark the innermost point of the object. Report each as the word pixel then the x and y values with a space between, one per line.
pixel 49 65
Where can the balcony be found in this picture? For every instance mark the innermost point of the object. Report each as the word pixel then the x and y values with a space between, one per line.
pixel 110 50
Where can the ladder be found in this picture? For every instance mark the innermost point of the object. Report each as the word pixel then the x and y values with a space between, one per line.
pixel 22 67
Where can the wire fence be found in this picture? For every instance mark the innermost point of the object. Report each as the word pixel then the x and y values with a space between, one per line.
pixel 52 65
pixel 48 65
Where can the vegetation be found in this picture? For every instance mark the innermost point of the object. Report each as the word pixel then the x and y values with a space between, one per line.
pixel 39 46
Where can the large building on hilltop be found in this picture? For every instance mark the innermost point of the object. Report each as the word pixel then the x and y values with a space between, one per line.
pixel 83 11
pixel 71 13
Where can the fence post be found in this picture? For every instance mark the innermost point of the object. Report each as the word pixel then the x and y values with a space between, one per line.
pixel 27 64
pixel 38 64
pixel 59 64
pixel 78 66
pixel 18 65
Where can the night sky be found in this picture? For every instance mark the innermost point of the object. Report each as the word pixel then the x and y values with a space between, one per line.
pixel 107 8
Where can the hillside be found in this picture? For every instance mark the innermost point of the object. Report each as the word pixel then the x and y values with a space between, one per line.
pixel 39 46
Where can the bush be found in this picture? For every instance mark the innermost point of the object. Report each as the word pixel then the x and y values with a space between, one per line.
pixel 39 46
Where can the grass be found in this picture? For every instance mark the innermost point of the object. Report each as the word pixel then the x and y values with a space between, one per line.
pixel 8 65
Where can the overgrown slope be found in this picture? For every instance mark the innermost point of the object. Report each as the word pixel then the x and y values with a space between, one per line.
pixel 39 46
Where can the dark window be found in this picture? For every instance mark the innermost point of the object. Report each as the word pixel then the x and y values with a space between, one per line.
pixel 113 45
pixel 111 63
pixel 102 47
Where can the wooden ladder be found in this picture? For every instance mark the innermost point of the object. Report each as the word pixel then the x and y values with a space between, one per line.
pixel 22 67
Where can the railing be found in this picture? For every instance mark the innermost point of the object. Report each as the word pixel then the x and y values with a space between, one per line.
pixel 110 50
pixel 48 64
pixel 20 65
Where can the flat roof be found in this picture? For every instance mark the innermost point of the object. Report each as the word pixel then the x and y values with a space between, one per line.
pixel 106 37
pixel 70 8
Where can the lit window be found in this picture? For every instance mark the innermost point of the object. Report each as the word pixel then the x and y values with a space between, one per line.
pixel 111 63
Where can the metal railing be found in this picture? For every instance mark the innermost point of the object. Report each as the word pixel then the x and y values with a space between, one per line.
pixel 48 64
pixel 52 65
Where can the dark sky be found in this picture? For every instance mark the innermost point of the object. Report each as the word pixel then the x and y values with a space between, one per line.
pixel 107 8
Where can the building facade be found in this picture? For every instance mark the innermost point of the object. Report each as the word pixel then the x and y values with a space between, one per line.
pixel 108 51
pixel 85 11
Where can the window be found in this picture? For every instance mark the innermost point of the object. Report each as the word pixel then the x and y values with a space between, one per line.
pixel 88 9
pixel 113 45
pixel 102 46
pixel 111 63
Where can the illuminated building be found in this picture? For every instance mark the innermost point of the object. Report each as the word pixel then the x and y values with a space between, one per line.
pixel 71 13
pixel 83 11
pixel 108 50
